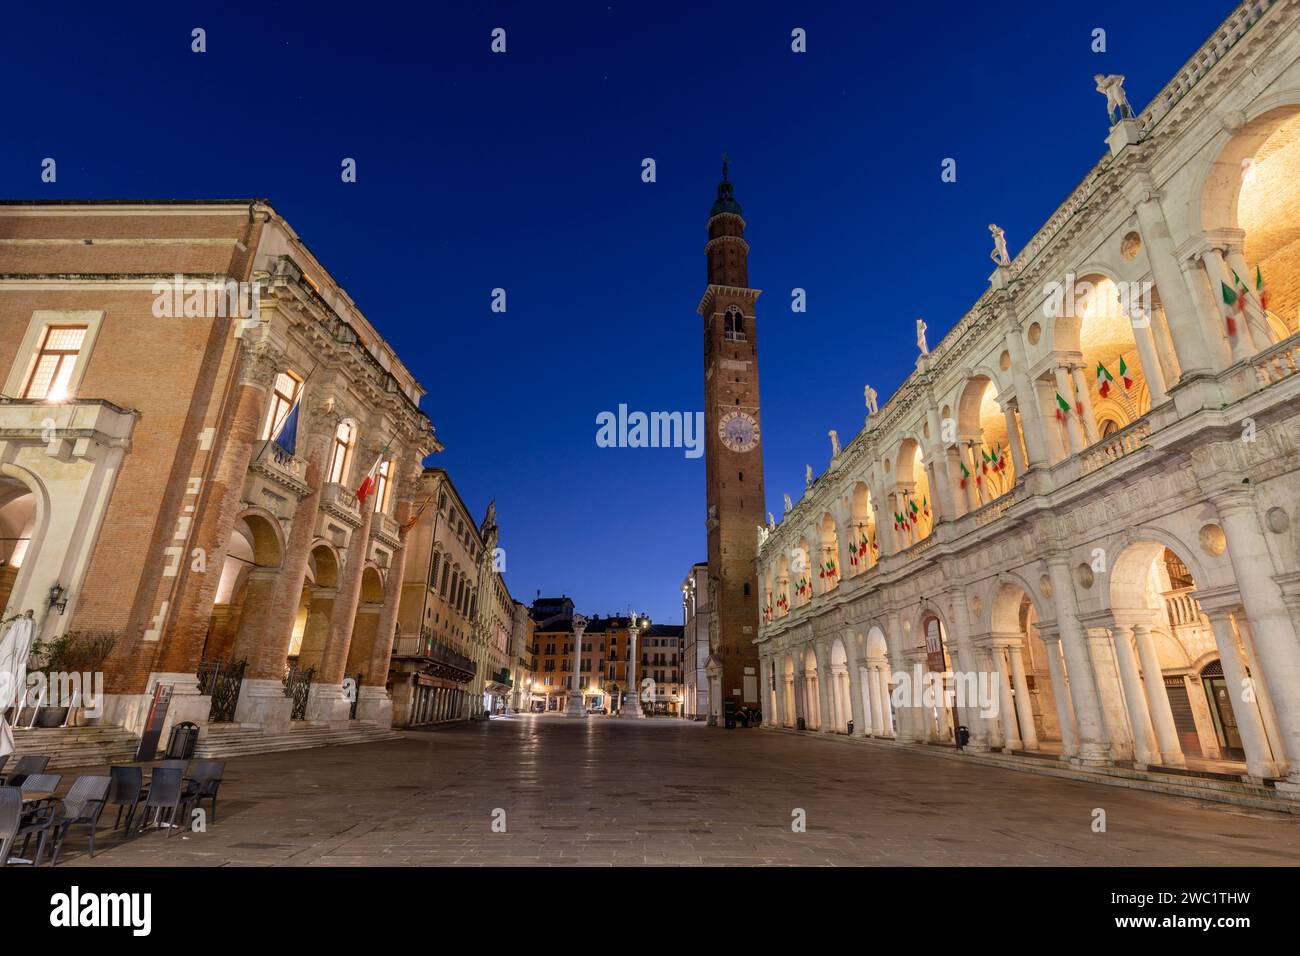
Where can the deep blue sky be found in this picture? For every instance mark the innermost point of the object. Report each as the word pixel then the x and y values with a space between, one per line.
pixel 523 171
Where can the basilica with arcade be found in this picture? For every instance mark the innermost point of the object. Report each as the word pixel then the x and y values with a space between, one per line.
pixel 1084 498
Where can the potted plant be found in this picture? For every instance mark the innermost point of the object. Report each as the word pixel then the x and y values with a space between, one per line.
pixel 85 654
pixel 47 659
pixel 78 652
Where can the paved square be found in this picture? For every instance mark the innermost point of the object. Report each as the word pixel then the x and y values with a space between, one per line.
pixel 609 792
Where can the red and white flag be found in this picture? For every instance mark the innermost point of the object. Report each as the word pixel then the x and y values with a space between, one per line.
pixel 371 481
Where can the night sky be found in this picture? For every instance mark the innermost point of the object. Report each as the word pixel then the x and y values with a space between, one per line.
pixel 523 171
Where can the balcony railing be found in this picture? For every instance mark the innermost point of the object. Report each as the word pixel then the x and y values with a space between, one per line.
pixel 1116 445
pixel 430 649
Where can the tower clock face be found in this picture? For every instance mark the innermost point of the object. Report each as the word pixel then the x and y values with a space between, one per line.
pixel 738 431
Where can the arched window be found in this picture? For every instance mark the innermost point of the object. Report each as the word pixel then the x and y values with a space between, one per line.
pixel 734 325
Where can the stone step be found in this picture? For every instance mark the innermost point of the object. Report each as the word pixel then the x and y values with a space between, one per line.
pixel 233 740
pixel 76 746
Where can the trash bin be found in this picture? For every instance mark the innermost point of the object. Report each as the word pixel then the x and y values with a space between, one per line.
pixel 850 728
pixel 963 736
pixel 180 745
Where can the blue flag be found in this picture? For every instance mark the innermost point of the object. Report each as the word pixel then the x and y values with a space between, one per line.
pixel 286 439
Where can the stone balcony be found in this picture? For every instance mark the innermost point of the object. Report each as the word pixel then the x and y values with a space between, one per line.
pixel 341 503
pixel 68 430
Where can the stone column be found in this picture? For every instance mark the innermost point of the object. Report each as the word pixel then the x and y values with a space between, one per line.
pixel 797 687
pixel 872 689
pixel 884 714
pixel 1010 729
pixel 374 703
pixel 965 660
pixel 575 708
pixel 277 627
pixel 1061 694
pixel 632 698
pixel 1013 437
pixel 1073 430
pixel 781 706
pixel 959 497
pixel 1101 651
pixel 223 500
pixel 327 698
pixel 906 731
pixel 861 718
pixel 1147 358
pixel 988 663
pixel 1162 715
pixel 1024 706
pixel 1146 751
pixel 1031 413
pixel 1084 397
pixel 1185 326
pixel 1242 344
pixel 973 483
pixel 1259 755
pixel 1094 745
pixel 825 714
pixel 1260 330
pixel 1056 444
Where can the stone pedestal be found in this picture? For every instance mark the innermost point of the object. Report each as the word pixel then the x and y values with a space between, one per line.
pixel 375 706
pixel 329 703
pixel 131 711
pixel 575 708
pixel 632 704
pixel 262 703
pixel 1124 133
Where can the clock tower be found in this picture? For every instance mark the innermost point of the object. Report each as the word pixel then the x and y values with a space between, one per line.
pixel 733 458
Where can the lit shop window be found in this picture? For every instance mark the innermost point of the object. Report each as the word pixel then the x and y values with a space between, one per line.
pixel 55 360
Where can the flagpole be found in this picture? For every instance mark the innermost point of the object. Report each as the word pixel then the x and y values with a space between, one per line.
pixel 302 390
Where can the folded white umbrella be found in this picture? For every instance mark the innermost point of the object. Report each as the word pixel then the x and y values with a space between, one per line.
pixel 15 648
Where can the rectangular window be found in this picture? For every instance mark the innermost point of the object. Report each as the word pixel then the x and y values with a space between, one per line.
pixel 382 487
pixel 52 371
pixel 339 456
pixel 283 395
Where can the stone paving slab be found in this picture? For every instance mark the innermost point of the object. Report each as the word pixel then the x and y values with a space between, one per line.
pixel 607 792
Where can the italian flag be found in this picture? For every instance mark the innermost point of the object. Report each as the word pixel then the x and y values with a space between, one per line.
pixel 999 458
pixel 915 509
pixel 1124 375
pixel 1261 290
pixel 965 476
pixel 987 461
pixel 925 505
pixel 371 480
pixel 1235 303
pixel 1104 379
pixel 874 546
pixel 1062 408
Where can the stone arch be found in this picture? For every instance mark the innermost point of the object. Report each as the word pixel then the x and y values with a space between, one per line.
pixel 1128 557
pixel 1250 176
pixel 363 648
pixel 254 554
pixel 316 607
pixel 24 518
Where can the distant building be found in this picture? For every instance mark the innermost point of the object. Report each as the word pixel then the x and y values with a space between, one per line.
pixel 452 658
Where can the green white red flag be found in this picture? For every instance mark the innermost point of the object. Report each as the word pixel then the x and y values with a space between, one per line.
pixel 1104 379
